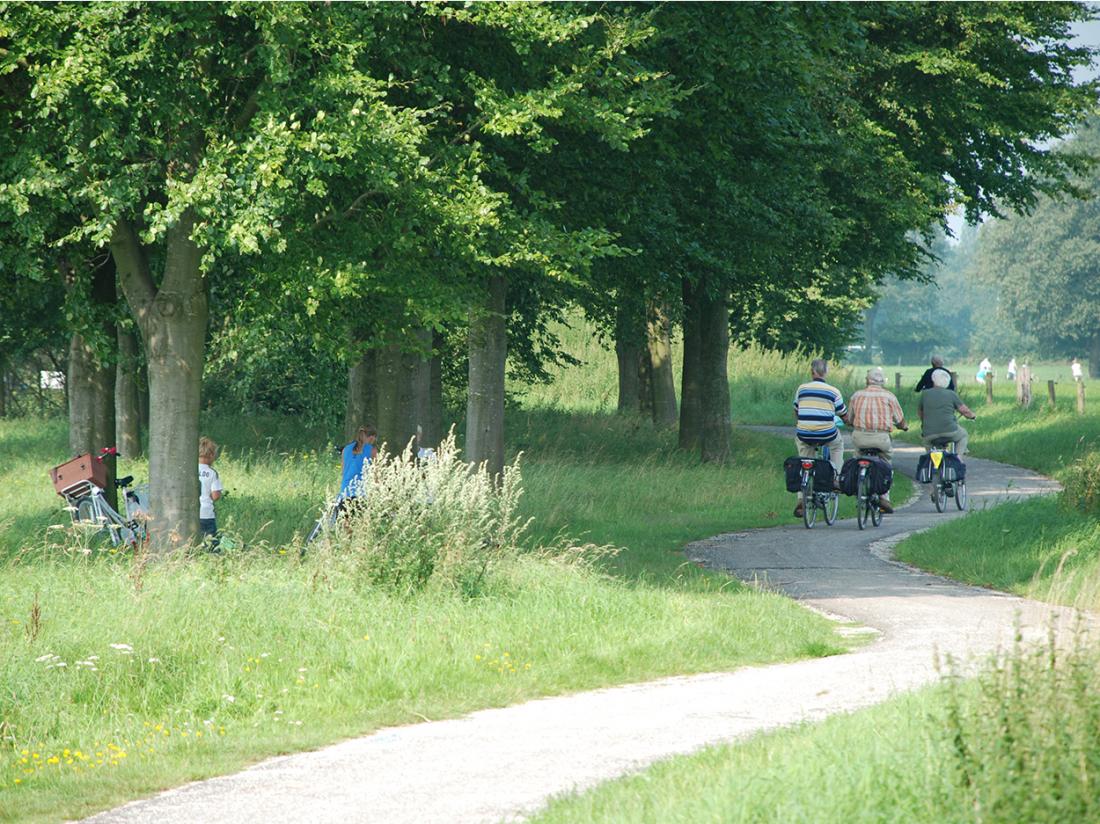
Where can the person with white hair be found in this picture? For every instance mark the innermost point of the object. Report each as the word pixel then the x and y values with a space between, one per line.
pixel 937 408
pixel 874 414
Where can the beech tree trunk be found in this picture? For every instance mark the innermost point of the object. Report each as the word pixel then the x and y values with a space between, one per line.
pixel 394 421
pixel 418 367
pixel 1094 357
pixel 3 388
pixel 713 380
pixel 91 380
pixel 433 427
pixel 362 402
pixel 659 340
pixel 691 410
pixel 172 319
pixel 488 352
pixel 628 353
pixel 127 413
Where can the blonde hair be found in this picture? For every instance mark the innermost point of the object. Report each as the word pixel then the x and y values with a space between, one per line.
pixel 361 436
pixel 208 450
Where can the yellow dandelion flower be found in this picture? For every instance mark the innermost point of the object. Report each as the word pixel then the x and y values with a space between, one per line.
pixel 19 781
pixel 53 759
pixel 366 637
pixel 477 657
pixel 198 734
pixel 24 752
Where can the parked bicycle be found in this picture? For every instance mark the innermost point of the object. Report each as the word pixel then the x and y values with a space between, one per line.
pixel 948 475
pixel 814 497
pixel 82 481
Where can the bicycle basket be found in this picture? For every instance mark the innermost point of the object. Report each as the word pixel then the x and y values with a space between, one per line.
pixel 83 469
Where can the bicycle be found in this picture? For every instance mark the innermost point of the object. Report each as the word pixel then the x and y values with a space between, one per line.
pixel 944 487
pixel 867 502
pixel 812 499
pixel 82 481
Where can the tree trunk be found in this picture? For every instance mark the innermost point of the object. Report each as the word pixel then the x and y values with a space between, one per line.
pixel 433 429
pixel 3 388
pixel 173 321
pixel 691 410
pixel 418 368
pixel 127 414
pixel 628 353
pixel 91 380
pixel 362 402
pixel 659 340
pixel 714 381
pixel 1094 357
pixel 488 351
pixel 395 426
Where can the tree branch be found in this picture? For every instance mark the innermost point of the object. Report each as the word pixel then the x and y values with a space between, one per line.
pixel 133 269
pixel 330 216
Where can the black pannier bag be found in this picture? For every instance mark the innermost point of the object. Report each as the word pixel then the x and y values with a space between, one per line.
pixel 953 468
pixel 792 470
pixel 823 475
pixel 924 469
pixel 882 475
pixel 849 477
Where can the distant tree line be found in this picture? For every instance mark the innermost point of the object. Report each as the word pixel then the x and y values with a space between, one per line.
pixel 408 195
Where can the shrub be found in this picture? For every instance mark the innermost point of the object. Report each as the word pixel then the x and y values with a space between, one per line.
pixel 1081 482
pixel 1025 740
pixel 438 521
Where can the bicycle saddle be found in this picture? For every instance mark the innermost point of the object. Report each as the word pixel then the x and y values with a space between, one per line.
pixel 942 441
pixel 122 483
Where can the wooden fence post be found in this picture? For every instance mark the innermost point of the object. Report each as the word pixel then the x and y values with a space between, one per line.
pixel 1023 385
pixel 897 383
pixel 1080 397
pixel 989 387
pixel 1050 391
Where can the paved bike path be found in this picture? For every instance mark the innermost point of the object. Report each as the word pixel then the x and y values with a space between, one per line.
pixel 503 764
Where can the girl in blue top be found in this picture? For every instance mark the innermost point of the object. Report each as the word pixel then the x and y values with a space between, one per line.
pixel 354 457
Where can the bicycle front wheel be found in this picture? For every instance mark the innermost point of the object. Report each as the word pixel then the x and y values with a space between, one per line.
pixel 832 507
pixel 876 513
pixel 960 495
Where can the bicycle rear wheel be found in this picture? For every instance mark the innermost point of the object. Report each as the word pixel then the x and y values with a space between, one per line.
pixel 809 504
pixel 863 499
pixel 939 491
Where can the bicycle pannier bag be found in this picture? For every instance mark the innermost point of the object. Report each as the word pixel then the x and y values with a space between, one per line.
pixel 823 475
pixel 881 474
pixel 849 477
pixel 792 471
pixel 82 469
pixel 953 468
pixel 924 469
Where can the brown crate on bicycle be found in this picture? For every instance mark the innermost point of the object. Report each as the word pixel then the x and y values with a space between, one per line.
pixel 82 469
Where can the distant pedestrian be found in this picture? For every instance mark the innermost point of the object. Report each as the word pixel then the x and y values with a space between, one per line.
pixel 1011 373
pixel 1075 368
pixel 354 458
pixel 984 368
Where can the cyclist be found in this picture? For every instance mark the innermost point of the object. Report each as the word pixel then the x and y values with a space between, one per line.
pixel 925 381
pixel 817 405
pixel 937 407
pixel 874 413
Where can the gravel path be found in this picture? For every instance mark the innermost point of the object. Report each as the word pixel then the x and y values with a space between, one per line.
pixel 503 764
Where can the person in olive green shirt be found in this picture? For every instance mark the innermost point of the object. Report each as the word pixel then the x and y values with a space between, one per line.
pixel 937 409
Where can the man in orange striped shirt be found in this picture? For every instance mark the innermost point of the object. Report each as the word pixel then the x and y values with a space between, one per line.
pixel 875 412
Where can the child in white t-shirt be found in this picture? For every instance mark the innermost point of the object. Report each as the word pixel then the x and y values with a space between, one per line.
pixel 210 488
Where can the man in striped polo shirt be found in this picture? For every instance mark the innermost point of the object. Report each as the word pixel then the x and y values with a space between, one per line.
pixel 875 413
pixel 816 407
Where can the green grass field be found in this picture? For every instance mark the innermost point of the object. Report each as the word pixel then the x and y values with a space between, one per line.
pixel 123 678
